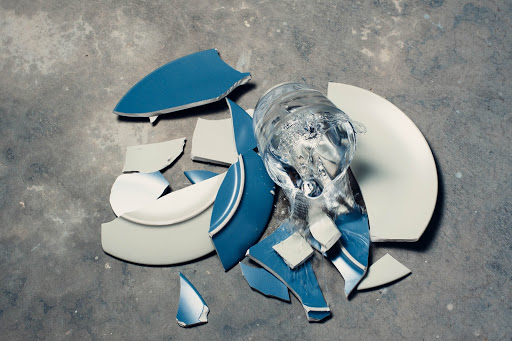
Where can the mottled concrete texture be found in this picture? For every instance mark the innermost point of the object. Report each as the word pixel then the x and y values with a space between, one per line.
pixel 65 64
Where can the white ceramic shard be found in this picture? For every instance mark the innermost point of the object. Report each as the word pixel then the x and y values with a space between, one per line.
pixel 135 190
pixel 213 141
pixel 173 229
pixel 152 119
pixel 192 309
pixel 158 245
pixel 178 206
pixel 294 250
pixel 322 228
pixel 250 112
pixel 393 165
pixel 384 271
pixel 149 158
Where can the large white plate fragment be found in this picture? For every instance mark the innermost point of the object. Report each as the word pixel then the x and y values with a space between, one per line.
pixel 175 232
pixel 393 165
pixel 149 158
pixel 384 271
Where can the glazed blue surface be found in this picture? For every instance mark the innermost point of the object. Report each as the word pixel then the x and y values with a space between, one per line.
pixel 250 219
pixel 193 80
pixel 355 234
pixel 301 281
pixel 191 304
pixel 195 176
pixel 355 239
pixel 263 281
pixel 229 192
pixel 242 127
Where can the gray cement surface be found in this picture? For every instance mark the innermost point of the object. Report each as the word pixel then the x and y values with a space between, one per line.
pixel 65 64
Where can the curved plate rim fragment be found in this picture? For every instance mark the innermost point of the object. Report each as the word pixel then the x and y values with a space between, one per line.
pixel 191 201
pixel 237 173
pixel 404 213
pixel 243 224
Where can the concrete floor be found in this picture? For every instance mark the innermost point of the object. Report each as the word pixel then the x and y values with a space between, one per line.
pixel 65 64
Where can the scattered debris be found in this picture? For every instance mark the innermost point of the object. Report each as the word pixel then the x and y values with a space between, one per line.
pixel 294 250
pixel 149 158
pixel 264 282
pixel 301 281
pixel 384 271
pixel 190 81
pixel 398 179
pixel 135 190
pixel 192 309
pixel 242 209
pixel 229 212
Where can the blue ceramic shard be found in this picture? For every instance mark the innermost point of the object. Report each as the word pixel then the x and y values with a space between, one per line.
pixel 192 309
pixel 301 281
pixel 190 81
pixel 264 282
pixel 242 127
pixel 241 209
pixel 228 197
pixel 195 176
pixel 350 254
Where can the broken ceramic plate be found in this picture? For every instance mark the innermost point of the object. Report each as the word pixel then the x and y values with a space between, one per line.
pixel 294 250
pixel 384 271
pixel 350 254
pixel 190 81
pixel 301 281
pixel 242 128
pixel 213 141
pixel 242 208
pixel 393 165
pixel 192 309
pixel 264 282
pixel 195 176
pixel 149 158
pixel 135 190
pixel 183 239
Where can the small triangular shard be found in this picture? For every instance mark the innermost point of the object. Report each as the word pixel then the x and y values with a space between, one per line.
pixel 192 309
